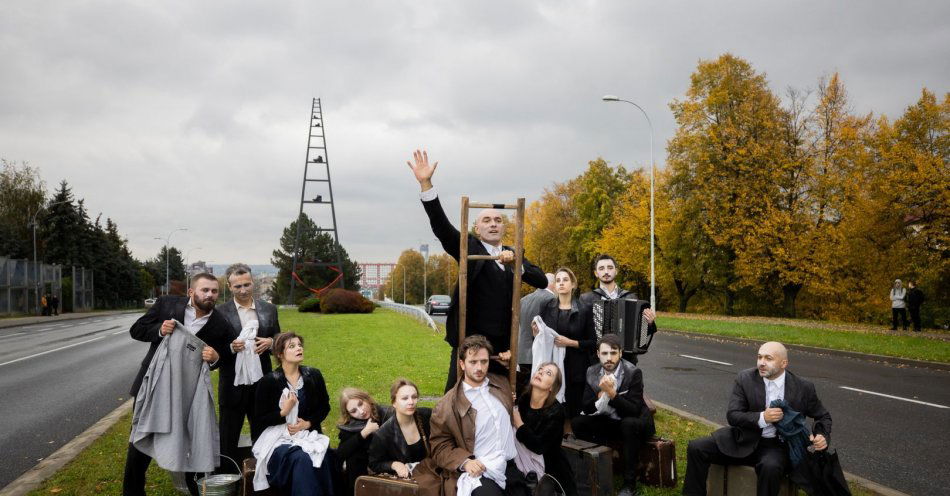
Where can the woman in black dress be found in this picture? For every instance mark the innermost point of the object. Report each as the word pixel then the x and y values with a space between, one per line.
pixel 360 417
pixel 289 468
pixel 539 422
pixel 403 440
pixel 574 323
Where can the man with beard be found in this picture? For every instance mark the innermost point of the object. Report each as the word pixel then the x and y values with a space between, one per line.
pixel 751 437
pixel 613 406
pixel 196 313
pixel 237 401
pixel 490 283
pixel 605 271
pixel 473 441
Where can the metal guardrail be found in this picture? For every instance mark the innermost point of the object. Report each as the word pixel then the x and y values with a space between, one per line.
pixel 414 312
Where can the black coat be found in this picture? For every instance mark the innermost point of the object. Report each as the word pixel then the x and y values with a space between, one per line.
pixel 215 333
pixel 629 399
pixel 389 445
pixel 541 433
pixel 581 328
pixel 741 437
pixel 915 298
pixel 269 328
pixel 490 318
pixel 354 449
pixel 271 386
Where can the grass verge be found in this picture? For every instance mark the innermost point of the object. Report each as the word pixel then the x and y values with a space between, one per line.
pixel 896 345
pixel 350 350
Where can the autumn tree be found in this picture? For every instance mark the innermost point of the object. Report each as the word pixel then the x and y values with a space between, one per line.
pixel 316 249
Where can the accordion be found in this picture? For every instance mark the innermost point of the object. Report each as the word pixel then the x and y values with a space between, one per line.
pixel 624 317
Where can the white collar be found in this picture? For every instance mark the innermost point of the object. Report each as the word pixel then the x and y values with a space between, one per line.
pixel 252 307
pixel 493 250
pixel 780 382
pixel 466 387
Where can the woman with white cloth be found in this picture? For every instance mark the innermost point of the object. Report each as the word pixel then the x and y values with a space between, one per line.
pixel 539 420
pixel 573 321
pixel 898 304
pixel 403 440
pixel 291 402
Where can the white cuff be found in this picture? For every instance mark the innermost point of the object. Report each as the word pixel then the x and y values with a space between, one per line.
pixel 762 422
pixel 601 403
pixel 429 194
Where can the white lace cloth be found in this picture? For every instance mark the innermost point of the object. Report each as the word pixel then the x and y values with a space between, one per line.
pixel 311 442
pixel 247 366
pixel 543 350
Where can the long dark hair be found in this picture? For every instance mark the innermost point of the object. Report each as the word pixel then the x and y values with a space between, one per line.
pixel 397 384
pixel 555 386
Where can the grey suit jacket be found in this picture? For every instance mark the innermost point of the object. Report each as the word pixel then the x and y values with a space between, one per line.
pixel 269 327
pixel 530 307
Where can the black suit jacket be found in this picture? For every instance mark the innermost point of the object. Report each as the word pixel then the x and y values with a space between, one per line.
pixel 449 236
pixel 269 327
pixel 741 437
pixel 629 399
pixel 215 332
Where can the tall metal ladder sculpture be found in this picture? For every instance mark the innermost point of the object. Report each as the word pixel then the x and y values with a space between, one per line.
pixel 464 257
pixel 316 155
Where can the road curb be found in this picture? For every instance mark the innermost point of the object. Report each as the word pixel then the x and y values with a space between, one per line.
pixel 870 485
pixel 827 351
pixel 21 321
pixel 53 463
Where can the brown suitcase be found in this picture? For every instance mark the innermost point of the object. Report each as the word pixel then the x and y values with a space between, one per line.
pixel 250 464
pixel 592 465
pixel 657 464
pixel 385 485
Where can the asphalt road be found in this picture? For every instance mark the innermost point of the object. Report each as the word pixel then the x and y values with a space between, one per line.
pixel 56 380
pixel 889 440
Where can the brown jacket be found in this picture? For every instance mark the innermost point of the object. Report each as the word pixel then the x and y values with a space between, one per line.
pixel 453 437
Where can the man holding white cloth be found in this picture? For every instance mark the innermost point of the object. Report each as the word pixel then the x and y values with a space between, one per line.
pixel 472 438
pixel 254 326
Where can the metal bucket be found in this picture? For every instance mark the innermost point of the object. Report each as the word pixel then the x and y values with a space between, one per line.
pixel 220 484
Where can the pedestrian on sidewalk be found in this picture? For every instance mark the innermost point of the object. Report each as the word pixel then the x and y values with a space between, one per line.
pixel 915 298
pixel 44 305
pixel 54 304
pixel 898 305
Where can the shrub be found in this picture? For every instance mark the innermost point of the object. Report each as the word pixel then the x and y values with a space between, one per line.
pixel 345 301
pixel 309 305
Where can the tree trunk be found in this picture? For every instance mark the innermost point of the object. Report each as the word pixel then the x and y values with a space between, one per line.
pixel 683 294
pixel 790 292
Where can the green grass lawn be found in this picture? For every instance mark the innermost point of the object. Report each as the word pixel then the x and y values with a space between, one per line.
pixel 897 345
pixel 366 351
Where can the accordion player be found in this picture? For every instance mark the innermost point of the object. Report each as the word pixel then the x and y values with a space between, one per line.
pixel 624 317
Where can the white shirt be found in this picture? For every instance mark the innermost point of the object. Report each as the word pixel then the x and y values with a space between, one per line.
pixel 774 390
pixel 246 313
pixel 613 295
pixel 494 437
pixel 194 323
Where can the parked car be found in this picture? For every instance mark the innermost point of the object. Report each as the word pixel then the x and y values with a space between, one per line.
pixel 149 302
pixel 438 304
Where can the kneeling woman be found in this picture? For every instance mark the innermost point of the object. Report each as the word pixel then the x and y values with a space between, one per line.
pixel 403 440
pixel 292 454
pixel 539 420
pixel 360 418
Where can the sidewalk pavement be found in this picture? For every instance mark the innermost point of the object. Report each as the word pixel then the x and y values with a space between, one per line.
pixel 20 321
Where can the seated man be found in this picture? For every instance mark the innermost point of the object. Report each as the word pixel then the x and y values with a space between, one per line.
pixel 750 439
pixel 472 439
pixel 613 405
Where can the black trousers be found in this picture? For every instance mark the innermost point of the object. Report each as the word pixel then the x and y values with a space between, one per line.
pixel 136 464
pixel 515 484
pixel 493 368
pixel 770 460
pixel 232 421
pixel 634 431
pixel 895 312
pixel 915 317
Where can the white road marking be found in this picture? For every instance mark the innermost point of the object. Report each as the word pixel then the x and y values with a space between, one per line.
pixel 14 334
pixel 895 397
pixel 50 351
pixel 705 359
pixel 119 332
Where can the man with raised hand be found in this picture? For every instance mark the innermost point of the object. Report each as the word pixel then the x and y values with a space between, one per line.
pixel 490 283
pixel 751 437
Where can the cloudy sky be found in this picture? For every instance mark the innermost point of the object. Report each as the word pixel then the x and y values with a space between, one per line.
pixel 195 114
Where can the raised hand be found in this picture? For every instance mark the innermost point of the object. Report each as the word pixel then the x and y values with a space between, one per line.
pixel 422 169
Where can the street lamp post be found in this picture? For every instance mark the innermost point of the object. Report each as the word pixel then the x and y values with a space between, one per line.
pixel 613 98
pixel 403 284
pixel 168 256
pixel 425 268
pixel 36 266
